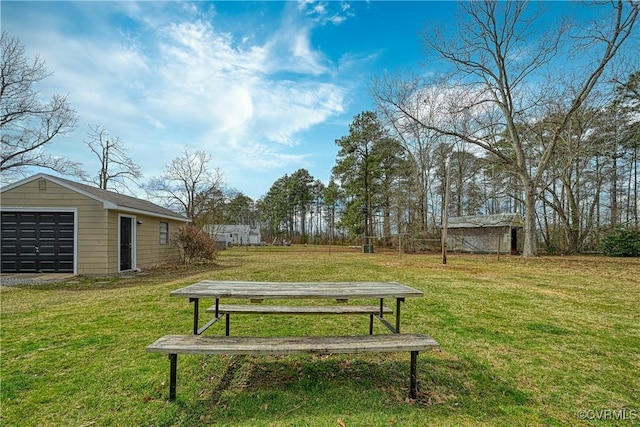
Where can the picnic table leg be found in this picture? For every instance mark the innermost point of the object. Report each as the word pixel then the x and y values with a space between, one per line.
pixel 413 386
pixel 196 305
pixel 398 301
pixel 173 373
pixel 380 316
pixel 371 324
pixel 384 321
pixel 216 317
pixel 227 319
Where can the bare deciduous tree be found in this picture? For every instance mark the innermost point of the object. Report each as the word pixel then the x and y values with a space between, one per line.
pixel 510 76
pixel 117 170
pixel 187 184
pixel 27 124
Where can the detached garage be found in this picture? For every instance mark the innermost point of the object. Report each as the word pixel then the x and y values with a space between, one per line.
pixel 50 224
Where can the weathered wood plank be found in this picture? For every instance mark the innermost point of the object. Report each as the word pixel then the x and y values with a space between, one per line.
pixel 293 290
pixel 198 344
pixel 297 309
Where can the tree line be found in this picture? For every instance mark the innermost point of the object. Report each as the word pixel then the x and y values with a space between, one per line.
pixel 500 120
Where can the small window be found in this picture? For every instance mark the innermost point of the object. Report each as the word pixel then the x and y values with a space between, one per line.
pixel 164 233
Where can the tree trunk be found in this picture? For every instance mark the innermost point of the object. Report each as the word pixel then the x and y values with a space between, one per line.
pixel 530 248
pixel 614 185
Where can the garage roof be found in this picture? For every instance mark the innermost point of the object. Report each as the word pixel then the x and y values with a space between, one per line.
pixel 110 199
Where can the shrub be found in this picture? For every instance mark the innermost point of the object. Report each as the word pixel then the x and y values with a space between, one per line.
pixel 196 245
pixel 622 243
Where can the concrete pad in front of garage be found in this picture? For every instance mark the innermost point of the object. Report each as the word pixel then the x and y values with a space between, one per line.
pixel 10 279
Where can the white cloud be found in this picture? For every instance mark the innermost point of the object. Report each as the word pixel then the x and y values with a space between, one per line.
pixel 231 95
pixel 170 80
pixel 319 12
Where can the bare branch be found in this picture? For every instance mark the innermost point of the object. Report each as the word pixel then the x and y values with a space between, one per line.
pixel 117 170
pixel 187 184
pixel 27 125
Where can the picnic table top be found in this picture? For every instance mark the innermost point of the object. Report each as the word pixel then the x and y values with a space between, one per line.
pixel 295 290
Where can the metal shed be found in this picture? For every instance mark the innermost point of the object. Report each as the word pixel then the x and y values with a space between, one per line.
pixel 495 233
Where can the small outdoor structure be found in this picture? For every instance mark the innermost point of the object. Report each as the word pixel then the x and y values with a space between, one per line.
pixel 54 225
pixel 498 233
pixel 229 235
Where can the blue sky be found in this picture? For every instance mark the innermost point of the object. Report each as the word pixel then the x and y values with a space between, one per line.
pixel 264 87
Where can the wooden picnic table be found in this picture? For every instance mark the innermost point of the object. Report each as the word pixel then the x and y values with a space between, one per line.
pixel 259 291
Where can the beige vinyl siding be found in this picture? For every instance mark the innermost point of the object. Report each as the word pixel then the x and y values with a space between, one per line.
pixel 150 252
pixel 112 247
pixel 91 219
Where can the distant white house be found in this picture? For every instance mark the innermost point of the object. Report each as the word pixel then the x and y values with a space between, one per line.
pixel 228 235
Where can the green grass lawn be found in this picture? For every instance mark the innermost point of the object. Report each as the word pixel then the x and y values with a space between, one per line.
pixel 544 341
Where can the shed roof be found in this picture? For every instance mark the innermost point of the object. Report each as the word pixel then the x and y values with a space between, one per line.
pixel 110 199
pixel 486 221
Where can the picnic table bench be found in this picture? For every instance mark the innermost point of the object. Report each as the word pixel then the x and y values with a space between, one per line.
pixel 259 291
pixel 228 309
pixel 198 344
